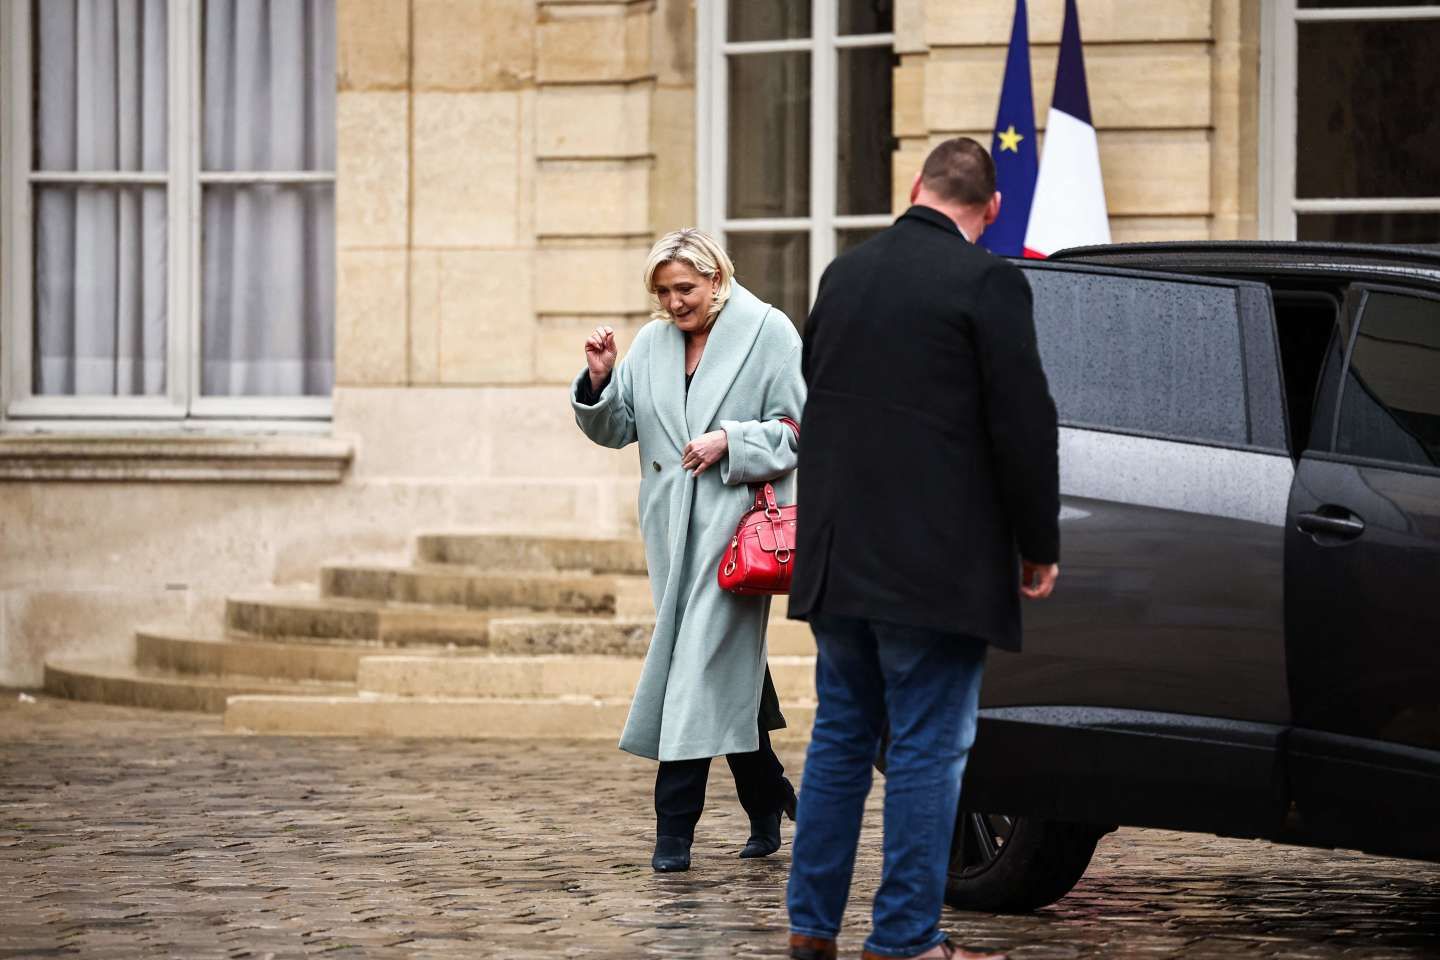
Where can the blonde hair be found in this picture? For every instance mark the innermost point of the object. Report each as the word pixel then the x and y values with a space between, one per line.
pixel 699 251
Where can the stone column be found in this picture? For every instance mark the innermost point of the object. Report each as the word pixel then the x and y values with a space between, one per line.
pixel 596 88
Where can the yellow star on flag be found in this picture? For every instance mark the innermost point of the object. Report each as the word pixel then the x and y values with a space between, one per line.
pixel 1010 140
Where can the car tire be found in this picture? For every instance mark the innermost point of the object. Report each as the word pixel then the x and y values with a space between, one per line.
pixel 1002 864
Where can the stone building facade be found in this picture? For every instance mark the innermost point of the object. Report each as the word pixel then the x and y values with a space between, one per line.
pixel 501 167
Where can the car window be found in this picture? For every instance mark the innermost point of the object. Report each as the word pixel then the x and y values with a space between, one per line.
pixel 1390 404
pixel 1147 356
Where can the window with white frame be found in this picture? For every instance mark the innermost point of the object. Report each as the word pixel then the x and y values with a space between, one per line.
pixel 794 143
pixel 168 193
pixel 1355 154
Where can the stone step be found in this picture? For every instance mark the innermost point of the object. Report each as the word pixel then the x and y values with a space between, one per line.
pixel 576 718
pixel 616 636
pixel 478 589
pixel 595 678
pixel 105 681
pixel 512 553
pixel 304 618
pixel 180 652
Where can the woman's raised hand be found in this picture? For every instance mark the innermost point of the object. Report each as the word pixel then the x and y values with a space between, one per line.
pixel 600 355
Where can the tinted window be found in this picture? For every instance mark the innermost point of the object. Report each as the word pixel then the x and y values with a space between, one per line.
pixel 1390 408
pixel 1151 356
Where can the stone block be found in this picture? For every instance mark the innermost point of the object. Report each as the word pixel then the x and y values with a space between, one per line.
pixel 370 317
pixel 981 22
pixel 468 45
pixel 373 44
pixel 576 198
pixel 468 159
pixel 1152 229
pixel 1156 171
pixel 909 115
pixel 372 178
pixel 910 26
pixel 533 434
pixel 1133 86
pixel 559 343
pixel 584 278
pixel 907 162
pixel 590 43
pixel 672 44
pixel 415 432
pixel 487 320
pixel 601 121
pixel 424 317
pixel 672 140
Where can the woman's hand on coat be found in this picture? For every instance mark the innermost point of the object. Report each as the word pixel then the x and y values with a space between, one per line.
pixel 600 355
pixel 705 451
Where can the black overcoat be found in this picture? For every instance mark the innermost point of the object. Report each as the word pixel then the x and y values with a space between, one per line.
pixel 928 463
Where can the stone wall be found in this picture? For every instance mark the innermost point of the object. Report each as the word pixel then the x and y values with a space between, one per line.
pixel 1174 88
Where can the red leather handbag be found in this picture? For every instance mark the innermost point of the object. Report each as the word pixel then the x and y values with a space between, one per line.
pixel 761 556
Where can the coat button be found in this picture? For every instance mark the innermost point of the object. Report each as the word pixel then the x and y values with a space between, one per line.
pixel 656 465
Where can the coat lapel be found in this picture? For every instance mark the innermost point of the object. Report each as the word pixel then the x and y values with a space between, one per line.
pixel 730 342
pixel 667 383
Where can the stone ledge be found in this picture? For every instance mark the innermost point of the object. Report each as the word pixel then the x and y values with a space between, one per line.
pixel 168 457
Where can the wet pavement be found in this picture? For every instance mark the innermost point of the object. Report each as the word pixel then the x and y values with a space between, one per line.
pixel 127 833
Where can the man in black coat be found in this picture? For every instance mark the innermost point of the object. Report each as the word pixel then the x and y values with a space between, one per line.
pixel 929 503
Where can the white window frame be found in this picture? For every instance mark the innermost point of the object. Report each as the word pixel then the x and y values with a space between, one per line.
pixel 1279 79
pixel 712 140
pixel 183 180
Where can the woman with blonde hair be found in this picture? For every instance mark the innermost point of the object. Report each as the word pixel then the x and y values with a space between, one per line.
pixel 705 390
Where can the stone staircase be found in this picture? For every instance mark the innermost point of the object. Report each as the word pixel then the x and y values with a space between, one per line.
pixel 482 635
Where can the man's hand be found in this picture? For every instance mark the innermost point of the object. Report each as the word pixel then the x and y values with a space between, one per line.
pixel 600 355
pixel 1037 580
pixel 705 451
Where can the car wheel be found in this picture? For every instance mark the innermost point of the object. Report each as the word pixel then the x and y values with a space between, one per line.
pixel 1003 864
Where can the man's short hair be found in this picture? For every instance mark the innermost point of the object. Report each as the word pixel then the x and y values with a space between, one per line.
pixel 960 171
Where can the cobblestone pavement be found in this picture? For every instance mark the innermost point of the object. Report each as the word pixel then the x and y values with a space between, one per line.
pixel 125 833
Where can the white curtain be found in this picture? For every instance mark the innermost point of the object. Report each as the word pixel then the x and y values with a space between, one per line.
pixel 100 278
pixel 268 281
pixel 267 285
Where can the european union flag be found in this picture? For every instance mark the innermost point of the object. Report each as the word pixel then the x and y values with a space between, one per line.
pixel 1013 146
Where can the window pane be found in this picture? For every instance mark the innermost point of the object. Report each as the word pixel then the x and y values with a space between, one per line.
pixel 776 268
pixel 1145 355
pixel 1369 227
pixel 268 290
pixel 1365 109
pixel 100 291
pixel 769 136
pixel 99 86
pixel 1390 409
pixel 269 85
pixel 768 20
pixel 867 16
pixel 862 176
pixel 846 240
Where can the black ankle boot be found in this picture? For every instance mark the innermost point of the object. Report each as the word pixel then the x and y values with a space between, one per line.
pixel 672 854
pixel 765 831
pixel 764 837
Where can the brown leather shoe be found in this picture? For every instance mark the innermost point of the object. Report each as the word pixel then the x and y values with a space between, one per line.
pixel 949 949
pixel 811 948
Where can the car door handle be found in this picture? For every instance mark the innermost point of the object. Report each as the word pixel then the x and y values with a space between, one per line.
pixel 1334 522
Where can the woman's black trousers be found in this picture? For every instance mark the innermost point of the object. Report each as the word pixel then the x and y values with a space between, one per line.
pixel 680 787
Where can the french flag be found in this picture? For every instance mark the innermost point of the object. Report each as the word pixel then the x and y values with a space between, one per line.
pixel 1069 205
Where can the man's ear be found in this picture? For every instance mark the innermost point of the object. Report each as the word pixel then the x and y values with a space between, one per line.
pixel 992 208
pixel 915 185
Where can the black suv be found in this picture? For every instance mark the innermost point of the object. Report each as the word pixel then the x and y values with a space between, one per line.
pixel 1244 639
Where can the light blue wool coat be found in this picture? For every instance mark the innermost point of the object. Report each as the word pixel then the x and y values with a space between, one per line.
pixel 699 689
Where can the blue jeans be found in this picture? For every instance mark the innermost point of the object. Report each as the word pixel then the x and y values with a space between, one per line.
pixel 927 685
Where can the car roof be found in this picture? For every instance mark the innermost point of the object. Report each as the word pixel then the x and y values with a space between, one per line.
pixel 1270 259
